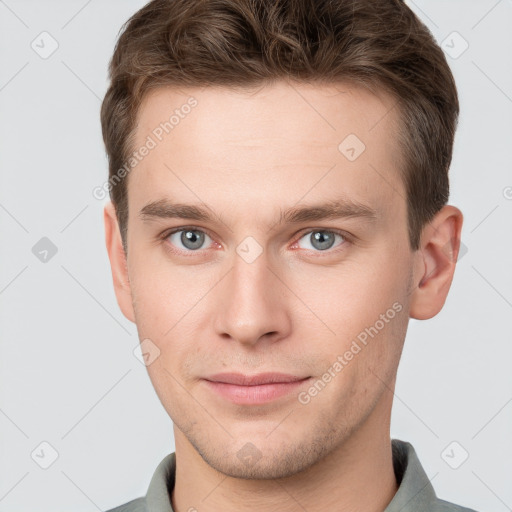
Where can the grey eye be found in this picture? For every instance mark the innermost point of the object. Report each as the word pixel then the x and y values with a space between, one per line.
pixel 320 239
pixel 190 239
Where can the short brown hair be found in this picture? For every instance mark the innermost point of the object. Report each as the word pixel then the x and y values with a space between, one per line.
pixel 378 44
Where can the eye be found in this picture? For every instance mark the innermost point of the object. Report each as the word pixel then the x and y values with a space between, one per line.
pixel 190 239
pixel 320 239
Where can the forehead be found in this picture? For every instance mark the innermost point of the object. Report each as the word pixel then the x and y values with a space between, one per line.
pixel 272 144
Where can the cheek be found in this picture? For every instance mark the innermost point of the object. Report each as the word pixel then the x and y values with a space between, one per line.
pixel 349 296
pixel 363 312
pixel 170 389
pixel 167 304
pixel 162 293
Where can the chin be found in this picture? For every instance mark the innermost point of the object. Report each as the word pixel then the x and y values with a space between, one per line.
pixel 264 460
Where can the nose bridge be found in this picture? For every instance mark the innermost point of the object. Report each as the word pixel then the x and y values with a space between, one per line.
pixel 252 303
pixel 250 274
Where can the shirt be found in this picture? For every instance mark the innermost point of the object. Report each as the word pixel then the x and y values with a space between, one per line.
pixel 415 492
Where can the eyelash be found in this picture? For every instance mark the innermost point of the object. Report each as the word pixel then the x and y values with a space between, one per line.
pixel 347 238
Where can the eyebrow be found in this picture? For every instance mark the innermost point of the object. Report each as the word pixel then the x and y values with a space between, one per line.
pixel 335 209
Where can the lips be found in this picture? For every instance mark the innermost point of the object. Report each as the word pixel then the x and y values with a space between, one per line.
pixel 254 380
pixel 257 389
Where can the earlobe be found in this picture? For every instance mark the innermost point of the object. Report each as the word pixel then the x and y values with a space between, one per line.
pixel 118 262
pixel 435 263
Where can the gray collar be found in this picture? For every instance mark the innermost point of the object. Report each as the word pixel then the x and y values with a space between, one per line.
pixel 415 492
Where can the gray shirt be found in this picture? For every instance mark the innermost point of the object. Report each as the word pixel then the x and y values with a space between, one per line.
pixel 415 492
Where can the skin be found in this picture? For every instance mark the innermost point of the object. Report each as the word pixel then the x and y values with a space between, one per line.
pixel 293 309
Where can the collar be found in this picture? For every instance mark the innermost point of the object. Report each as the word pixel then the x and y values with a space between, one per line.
pixel 415 492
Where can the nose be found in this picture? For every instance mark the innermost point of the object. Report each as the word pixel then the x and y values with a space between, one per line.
pixel 252 303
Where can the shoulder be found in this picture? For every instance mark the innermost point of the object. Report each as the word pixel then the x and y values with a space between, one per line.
pixel 136 505
pixel 415 492
pixel 446 506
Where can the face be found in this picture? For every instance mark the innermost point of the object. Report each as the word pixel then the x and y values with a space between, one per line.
pixel 262 280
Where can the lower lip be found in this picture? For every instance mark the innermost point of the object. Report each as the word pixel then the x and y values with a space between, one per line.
pixel 253 395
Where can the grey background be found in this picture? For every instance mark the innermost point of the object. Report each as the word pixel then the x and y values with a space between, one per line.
pixel 69 376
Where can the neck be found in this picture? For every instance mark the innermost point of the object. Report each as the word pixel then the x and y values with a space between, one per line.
pixel 357 475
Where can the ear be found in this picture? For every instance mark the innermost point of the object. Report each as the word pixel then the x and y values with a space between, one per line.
pixel 118 262
pixel 435 262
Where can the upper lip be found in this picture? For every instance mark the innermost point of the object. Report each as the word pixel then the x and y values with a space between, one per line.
pixel 254 380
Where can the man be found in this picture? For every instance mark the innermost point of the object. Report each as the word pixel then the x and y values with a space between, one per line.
pixel 279 185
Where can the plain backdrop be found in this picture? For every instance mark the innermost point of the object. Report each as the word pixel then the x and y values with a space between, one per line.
pixel 73 394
